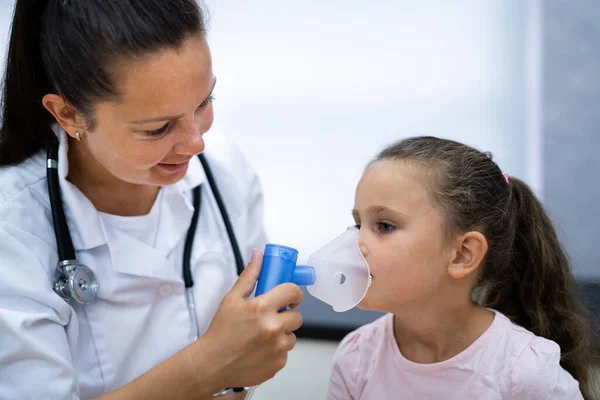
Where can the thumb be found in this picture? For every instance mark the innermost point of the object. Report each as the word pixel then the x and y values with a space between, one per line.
pixel 246 282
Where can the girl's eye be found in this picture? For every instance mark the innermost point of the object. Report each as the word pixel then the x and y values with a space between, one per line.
pixel 159 131
pixel 357 225
pixel 384 227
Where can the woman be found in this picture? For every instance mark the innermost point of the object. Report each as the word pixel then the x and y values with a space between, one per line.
pixel 122 92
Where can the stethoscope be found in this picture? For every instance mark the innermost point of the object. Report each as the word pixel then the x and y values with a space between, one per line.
pixel 75 281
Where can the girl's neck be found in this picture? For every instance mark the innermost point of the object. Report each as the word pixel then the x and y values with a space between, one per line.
pixel 434 334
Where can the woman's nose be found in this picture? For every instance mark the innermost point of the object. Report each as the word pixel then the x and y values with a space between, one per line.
pixel 191 141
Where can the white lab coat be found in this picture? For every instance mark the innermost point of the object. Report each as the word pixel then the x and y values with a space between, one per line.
pixel 50 349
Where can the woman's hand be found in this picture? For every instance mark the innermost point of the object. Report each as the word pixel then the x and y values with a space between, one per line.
pixel 248 341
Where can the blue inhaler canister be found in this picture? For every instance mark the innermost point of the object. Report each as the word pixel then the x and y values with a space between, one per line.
pixel 279 266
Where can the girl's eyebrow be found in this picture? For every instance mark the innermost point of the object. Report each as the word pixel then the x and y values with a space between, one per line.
pixel 374 210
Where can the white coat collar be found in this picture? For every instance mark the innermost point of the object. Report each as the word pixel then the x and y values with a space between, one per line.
pixel 85 223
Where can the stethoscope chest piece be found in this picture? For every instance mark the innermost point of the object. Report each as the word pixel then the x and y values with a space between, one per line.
pixel 75 281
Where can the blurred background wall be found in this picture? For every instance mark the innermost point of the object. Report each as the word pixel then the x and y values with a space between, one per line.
pixel 571 127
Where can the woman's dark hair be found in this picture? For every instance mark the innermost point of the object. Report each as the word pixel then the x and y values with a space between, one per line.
pixel 525 274
pixel 68 47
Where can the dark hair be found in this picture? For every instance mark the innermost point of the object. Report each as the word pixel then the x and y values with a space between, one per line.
pixel 525 274
pixel 68 47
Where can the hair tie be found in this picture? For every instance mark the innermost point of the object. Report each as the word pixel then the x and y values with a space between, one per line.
pixel 505 177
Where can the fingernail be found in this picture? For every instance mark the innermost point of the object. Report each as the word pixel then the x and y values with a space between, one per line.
pixel 254 255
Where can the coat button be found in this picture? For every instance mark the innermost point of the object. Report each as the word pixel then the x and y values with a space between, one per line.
pixel 165 290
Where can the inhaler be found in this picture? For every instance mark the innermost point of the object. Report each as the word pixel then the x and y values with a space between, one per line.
pixel 336 274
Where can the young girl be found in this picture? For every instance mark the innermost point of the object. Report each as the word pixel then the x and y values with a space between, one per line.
pixel 480 295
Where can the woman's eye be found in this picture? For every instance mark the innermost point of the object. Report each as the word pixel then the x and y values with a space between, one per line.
pixel 357 225
pixel 160 130
pixel 384 227
pixel 206 102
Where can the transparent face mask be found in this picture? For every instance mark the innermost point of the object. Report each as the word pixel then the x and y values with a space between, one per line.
pixel 342 273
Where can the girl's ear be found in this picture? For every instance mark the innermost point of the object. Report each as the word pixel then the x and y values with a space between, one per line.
pixel 469 251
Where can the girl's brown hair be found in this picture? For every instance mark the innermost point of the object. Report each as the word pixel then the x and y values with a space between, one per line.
pixel 525 274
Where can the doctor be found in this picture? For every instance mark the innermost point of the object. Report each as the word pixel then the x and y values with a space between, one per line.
pixel 122 92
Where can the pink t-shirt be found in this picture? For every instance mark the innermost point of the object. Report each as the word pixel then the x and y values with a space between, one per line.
pixel 506 362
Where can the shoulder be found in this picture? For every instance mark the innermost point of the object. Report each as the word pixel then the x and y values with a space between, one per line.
pixel 361 342
pixel 536 371
pixel 356 357
pixel 235 177
pixel 226 158
pixel 25 217
pixel 24 201
pixel 17 180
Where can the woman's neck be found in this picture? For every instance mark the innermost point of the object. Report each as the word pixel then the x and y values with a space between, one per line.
pixel 107 193
pixel 434 334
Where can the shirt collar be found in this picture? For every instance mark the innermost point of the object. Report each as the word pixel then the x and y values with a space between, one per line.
pixel 82 218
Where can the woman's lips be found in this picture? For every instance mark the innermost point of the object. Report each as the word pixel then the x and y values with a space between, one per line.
pixel 174 167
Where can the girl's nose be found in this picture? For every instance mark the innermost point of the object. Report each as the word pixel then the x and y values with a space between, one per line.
pixel 363 250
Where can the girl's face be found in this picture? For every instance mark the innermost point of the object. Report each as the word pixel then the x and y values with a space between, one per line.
pixel 148 136
pixel 401 236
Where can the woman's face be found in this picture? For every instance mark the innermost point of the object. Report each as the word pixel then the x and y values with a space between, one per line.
pixel 148 136
pixel 400 236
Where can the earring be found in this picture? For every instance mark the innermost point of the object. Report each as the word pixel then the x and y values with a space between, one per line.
pixel 77 136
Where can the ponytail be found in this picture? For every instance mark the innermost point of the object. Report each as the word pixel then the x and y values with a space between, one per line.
pixel 540 293
pixel 25 122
